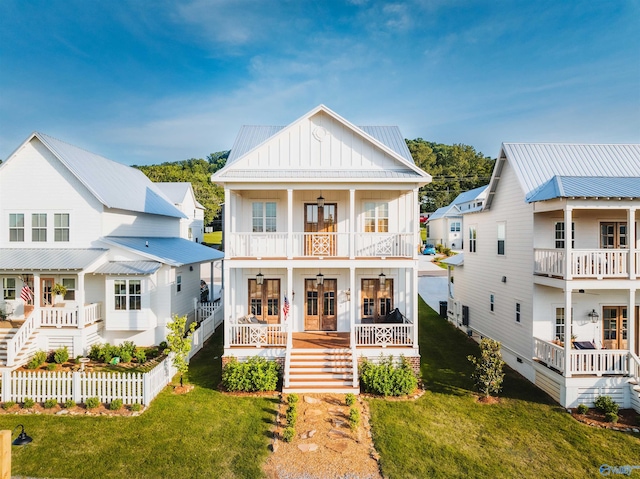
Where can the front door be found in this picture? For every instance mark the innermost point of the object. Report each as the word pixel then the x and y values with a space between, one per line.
pixel 320 309
pixel 615 327
pixel 264 300
pixel 46 291
pixel 613 235
pixel 321 221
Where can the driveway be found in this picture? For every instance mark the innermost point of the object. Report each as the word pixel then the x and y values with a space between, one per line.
pixel 432 282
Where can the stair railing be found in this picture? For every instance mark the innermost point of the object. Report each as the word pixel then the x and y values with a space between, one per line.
pixel 20 338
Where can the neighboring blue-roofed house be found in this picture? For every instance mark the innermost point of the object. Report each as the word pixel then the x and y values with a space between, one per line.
pixel 106 233
pixel 552 266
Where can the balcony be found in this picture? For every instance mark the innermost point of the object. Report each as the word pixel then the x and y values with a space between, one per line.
pixel 587 263
pixel 593 362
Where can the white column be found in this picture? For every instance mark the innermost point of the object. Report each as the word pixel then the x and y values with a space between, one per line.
pixel 227 308
pixel 568 325
pixel 631 239
pixel 80 300
pixel 289 223
pixel 415 305
pixel 291 308
pixel 631 318
pixel 417 240
pixel 352 223
pixel 353 305
pixel 226 216
pixel 567 246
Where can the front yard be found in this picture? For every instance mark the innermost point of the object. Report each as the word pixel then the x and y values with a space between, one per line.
pixel 445 433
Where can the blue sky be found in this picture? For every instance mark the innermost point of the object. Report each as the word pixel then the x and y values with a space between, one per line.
pixel 144 82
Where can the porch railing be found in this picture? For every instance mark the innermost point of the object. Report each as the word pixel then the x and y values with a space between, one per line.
pixel 385 244
pixel 596 362
pixel 19 340
pixel 258 245
pixel 634 367
pixel 585 263
pixel 549 353
pixel 258 335
pixel 384 334
pixel 320 244
pixel 69 318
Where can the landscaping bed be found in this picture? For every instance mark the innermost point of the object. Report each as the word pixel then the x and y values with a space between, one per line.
pixel 628 419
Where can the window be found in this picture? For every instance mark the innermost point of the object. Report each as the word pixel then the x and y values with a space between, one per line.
pixel 377 299
pixel 264 217
pixel 9 288
pixel 492 303
pixel 376 217
pixel 502 235
pixel 517 312
pixel 559 328
pixel 39 227
pixel 70 284
pixel 128 294
pixel 455 226
pixel 560 234
pixel 16 227
pixel 178 283
pixel 264 300
pixel 472 239
pixel 61 227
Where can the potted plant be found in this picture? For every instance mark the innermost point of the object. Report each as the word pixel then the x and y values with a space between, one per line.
pixel 59 290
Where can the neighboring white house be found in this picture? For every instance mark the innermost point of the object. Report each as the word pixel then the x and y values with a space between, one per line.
pixel 321 227
pixel 106 233
pixel 183 197
pixel 545 298
pixel 446 224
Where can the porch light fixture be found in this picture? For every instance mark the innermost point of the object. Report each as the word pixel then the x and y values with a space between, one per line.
pixel 347 293
pixel 22 438
pixel 593 316
pixel 319 279
pixel 382 278
pixel 320 202
pixel 260 278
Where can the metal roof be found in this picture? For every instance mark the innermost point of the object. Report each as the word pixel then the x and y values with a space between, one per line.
pixel 177 191
pixel 129 267
pixel 172 251
pixel 455 260
pixel 115 185
pixel 444 211
pixel 470 195
pixel 317 174
pixel 586 187
pixel 31 259
pixel 391 137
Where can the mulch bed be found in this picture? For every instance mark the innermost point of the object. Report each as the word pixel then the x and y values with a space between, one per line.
pixel 79 410
pixel 628 420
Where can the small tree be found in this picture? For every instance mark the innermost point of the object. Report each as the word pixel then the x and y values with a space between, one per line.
pixel 488 374
pixel 179 343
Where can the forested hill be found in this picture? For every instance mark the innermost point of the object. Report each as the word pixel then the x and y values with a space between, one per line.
pixel 454 168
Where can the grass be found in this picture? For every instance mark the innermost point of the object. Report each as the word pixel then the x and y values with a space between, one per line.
pixel 446 433
pixel 200 434
pixel 213 238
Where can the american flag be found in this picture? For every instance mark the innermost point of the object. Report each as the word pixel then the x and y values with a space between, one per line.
pixel 25 294
pixel 285 308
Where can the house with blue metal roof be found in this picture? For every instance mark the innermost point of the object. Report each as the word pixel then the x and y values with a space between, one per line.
pixel 322 227
pixel 551 266
pixel 106 233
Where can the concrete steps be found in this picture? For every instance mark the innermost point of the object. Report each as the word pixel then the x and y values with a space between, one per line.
pixel 321 371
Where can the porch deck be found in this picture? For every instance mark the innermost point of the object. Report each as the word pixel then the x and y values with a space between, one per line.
pixel 320 339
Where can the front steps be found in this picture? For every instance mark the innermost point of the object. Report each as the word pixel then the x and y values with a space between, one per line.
pixel 24 355
pixel 313 370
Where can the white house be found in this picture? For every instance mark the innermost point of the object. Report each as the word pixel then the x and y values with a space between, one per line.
pixel 321 234
pixel 106 233
pixel 183 197
pixel 446 224
pixel 566 312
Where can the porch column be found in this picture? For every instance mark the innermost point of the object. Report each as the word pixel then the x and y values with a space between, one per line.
pixel 290 319
pixel 353 306
pixel 415 305
pixel 568 325
pixel 37 294
pixel 568 210
pixel 289 224
pixel 227 309
pixel 80 300
pixel 417 240
pixel 212 291
pixel 631 324
pixel 352 223
pixel 631 239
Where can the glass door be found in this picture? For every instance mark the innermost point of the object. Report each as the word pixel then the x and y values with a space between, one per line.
pixel 320 308
pixel 615 327
pixel 46 291
pixel 320 220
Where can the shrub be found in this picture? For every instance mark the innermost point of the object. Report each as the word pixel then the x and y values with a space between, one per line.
pixel 94 352
pixel 611 417
pixel 488 374
pixel 350 399
pixel 61 355
pixel 140 355
pixel 115 405
pixel 583 409
pixel 50 403
pixel 288 434
pixel 69 403
pixel 78 358
pixel 8 405
pixel 292 415
pixel 162 346
pixel 292 398
pixel 354 417
pixel 28 403
pixel 107 353
pixel 387 379
pixel 446 251
pixel 255 374
pixel 125 356
pixel 37 360
pixel 92 403
pixel 606 404
pixel 51 366
pixel 127 347
pixel 136 406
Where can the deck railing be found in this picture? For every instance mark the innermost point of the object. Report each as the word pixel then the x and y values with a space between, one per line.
pixel 19 340
pixel 68 317
pixel 258 335
pixel 585 263
pixel 258 245
pixel 549 353
pixel 384 334
pixel 385 244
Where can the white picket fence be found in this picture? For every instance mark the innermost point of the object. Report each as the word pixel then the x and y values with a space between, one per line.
pixel 78 386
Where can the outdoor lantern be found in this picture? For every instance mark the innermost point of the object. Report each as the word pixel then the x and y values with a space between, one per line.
pixel 22 438
pixel 319 279
pixel 382 278
pixel 260 278
pixel 593 315
pixel 320 203
pixel 348 294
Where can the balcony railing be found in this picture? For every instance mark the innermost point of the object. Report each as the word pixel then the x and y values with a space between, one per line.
pixel 69 317
pixel 384 335
pixel 596 362
pixel 585 263
pixel 258 335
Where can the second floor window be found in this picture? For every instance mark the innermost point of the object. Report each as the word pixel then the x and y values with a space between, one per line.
pixel 61 227
pixel 472 239
pixel 455 226
pixel 560 234
pixel 518 312
pixel 376 217
pixel 492 303
pixel 39 227
pixel 128 294
pixel 264 217
pixel 16 227
pixel 502 237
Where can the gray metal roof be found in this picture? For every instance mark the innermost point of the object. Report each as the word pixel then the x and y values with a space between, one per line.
pixel 455 260
pixel 129 267
pixel 31 259
pixel 448 210
pixel 586 187
pixel 115 185
pixel 172 251
pixel 317 174
pixel 469 195
pixel 177 191
pixel 391 137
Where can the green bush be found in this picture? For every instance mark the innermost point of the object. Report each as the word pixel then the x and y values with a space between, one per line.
pixel 51 366
pixel 136 406
pixel 488 374
pixel 8 405
pixel 292 415
pixel 288 434
pixel 28 403
pixel 255 374
pixel 92 403
pixel 292 398
pixel 69 403
pixel 140 355
pixel 115 405
pixel 606 404
pixel 50 403
pixel 125 356
pixel 37 360
pixel 78 358
pixel 350 399
pixel 583 409
pixel 386 379
pixel 61 355
pixel 611 417
pixel 127 347
pixel 446 251
pixel 94 352
pixel 162 346
pixel 354 417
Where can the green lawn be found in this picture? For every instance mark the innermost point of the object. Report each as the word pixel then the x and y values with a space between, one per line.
pixel 213 238
pixel 446 433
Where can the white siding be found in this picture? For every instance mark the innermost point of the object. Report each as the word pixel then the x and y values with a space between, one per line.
pixel 126 223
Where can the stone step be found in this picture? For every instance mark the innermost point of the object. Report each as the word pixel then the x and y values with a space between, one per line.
pixel 321 390
pixel 321 376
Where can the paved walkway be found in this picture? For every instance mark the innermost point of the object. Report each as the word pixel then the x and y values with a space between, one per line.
pixel 432 283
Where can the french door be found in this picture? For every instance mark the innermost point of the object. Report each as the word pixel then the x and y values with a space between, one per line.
pixel 613 235
pixel 46 291
pixel 615 325
pixel 320 309
pixel 264 300
pixel 320 221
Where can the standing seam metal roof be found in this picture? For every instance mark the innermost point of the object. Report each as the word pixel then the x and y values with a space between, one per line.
pixel 171 251
pixel 29 259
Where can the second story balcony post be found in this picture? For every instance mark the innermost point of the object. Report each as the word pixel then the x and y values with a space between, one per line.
pixel 634 259
pixel 568 210
pixel 352 223
pixel 289 223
